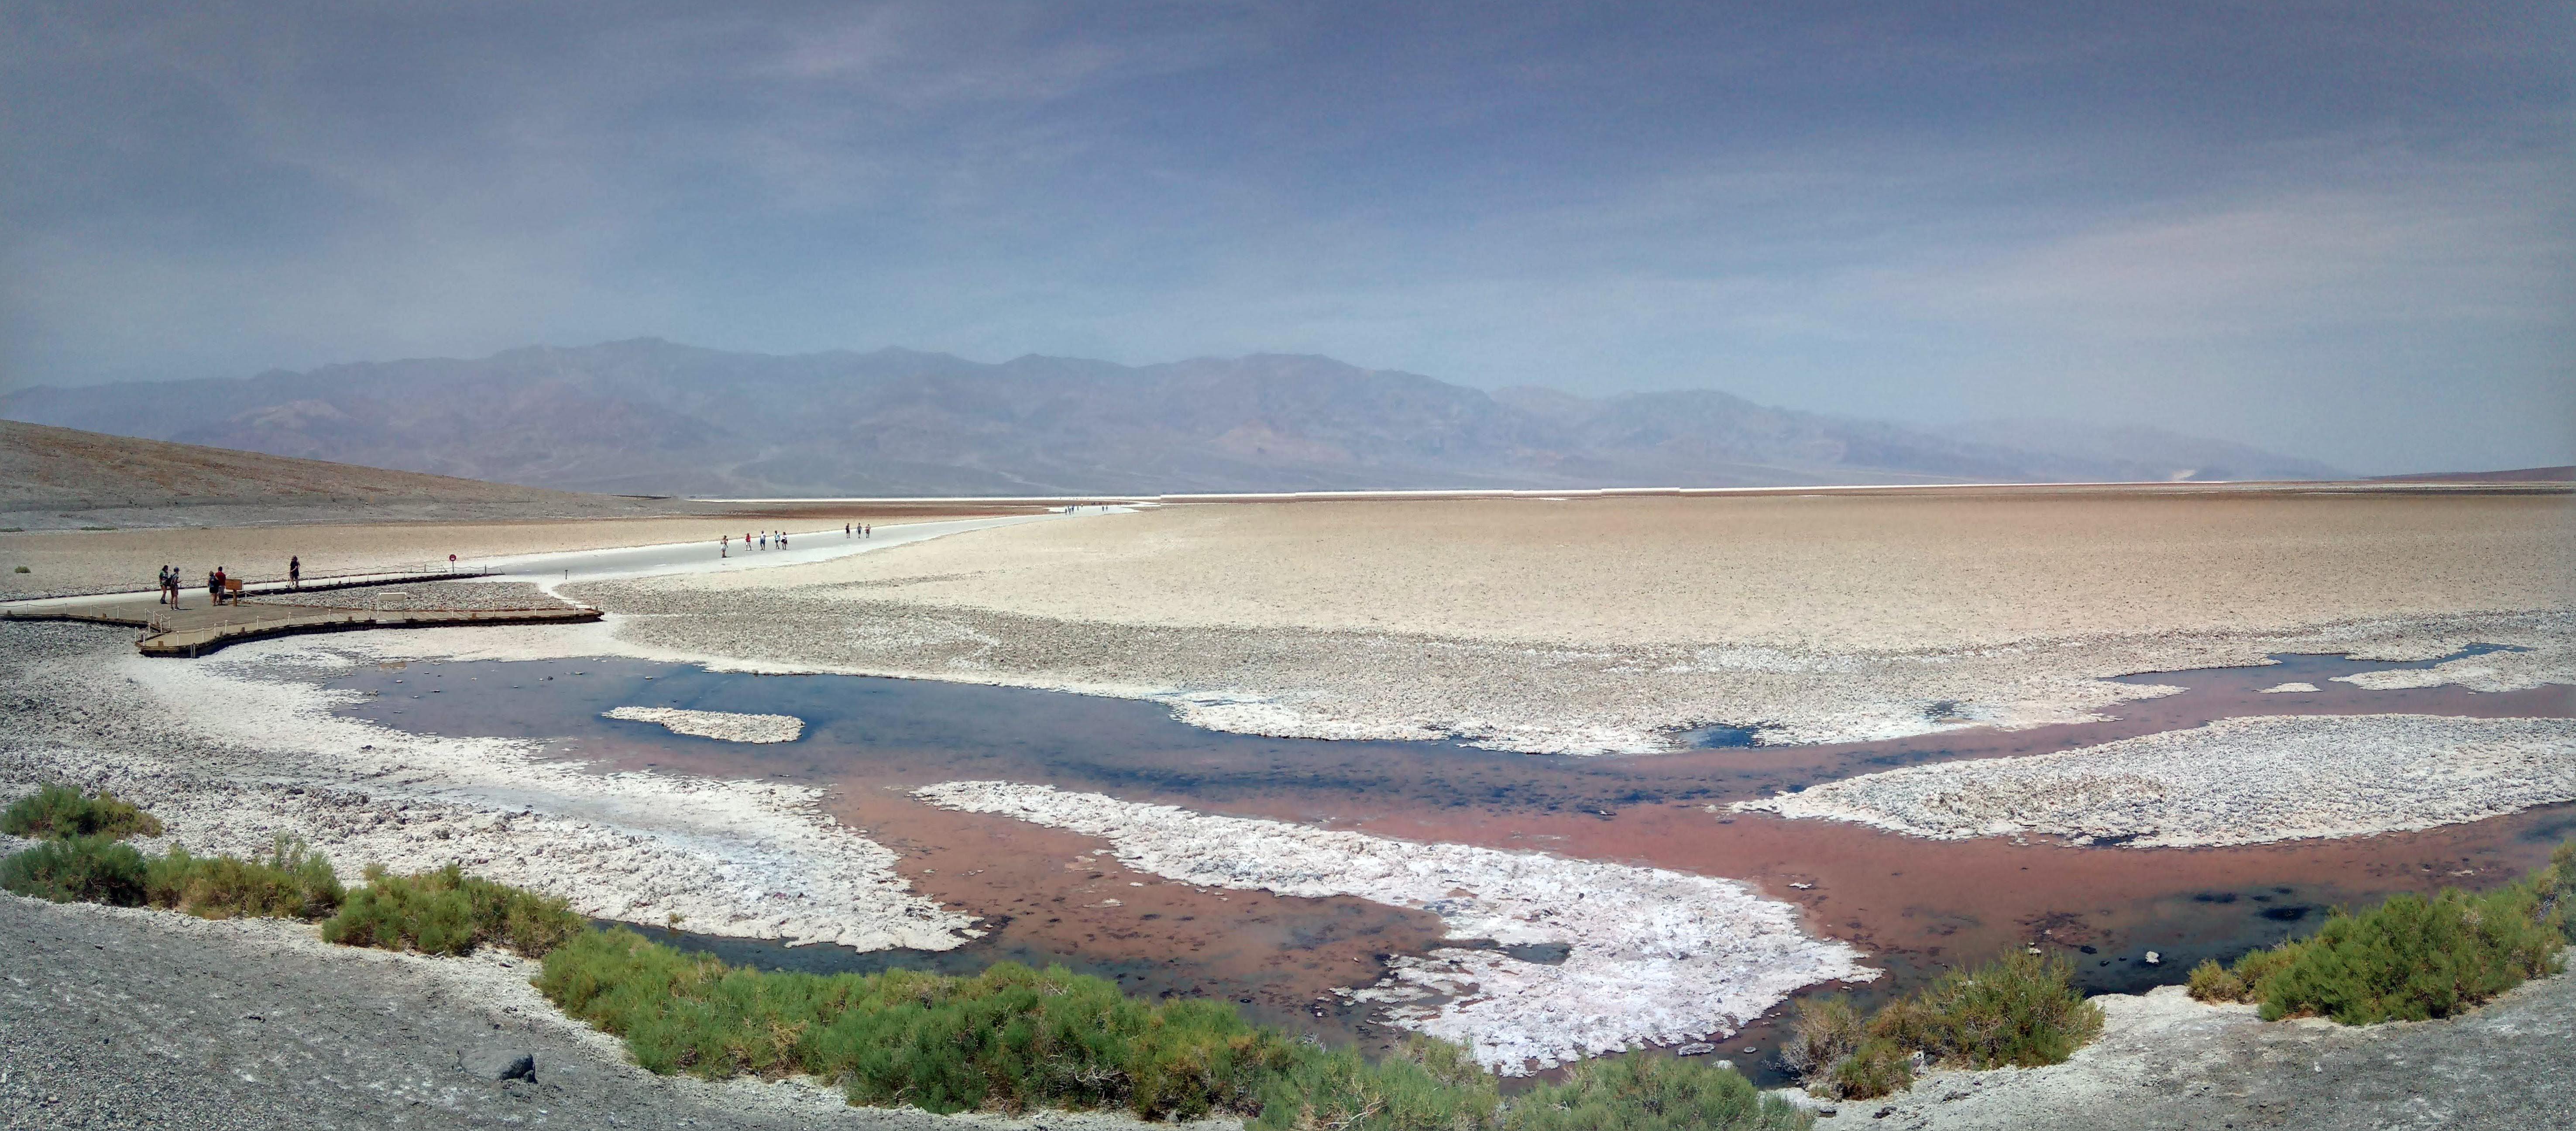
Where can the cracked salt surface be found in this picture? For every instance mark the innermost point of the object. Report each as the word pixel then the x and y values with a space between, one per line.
pixel 231 750
pixel 2235 781
pixel 1652 956
pixel 721 725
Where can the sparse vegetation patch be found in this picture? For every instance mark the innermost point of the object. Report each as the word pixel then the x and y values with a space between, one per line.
pixel 448 912
pixel 1013 1039
pixel 2411 958
pixel 79 869
pixel 2019 1010
pixel 64 811
pixel 293 883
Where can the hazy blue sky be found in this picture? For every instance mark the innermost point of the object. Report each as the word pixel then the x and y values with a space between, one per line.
pixel 2343 230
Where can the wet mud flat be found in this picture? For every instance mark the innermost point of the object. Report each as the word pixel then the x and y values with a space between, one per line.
pixel 1051 896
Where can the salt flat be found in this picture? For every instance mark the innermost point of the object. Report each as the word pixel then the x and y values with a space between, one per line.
pixel 2234 781
pixel 1603 625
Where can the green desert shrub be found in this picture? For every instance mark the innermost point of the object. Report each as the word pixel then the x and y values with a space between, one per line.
pixel 2212 982
pixel 293 883
pixel 1426 1085
pixel 1007 1039
pixel 1013 1039
pixel 2020 1010
pixel 2556 887
pixel 1641 1093
pixel 78 869
pixel 446 911
pixel 1825 1029
pixel 1877 1068
pixel 2414 958
pixel 63 811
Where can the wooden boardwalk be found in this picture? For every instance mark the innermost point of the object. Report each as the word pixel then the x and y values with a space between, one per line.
pixel 196 631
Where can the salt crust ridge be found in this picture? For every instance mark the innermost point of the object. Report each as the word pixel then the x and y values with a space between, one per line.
pixel 2235 781
pixel 1655 956
pixel 228 752
pixel 724 726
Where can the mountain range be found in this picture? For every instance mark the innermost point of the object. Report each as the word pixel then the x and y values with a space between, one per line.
pixel 650 416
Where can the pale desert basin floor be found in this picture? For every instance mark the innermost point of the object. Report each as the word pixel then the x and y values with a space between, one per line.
pixel 1533 700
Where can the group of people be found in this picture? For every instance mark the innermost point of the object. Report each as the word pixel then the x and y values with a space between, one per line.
pixel 762 539
pixel 170 585
pixel 218 583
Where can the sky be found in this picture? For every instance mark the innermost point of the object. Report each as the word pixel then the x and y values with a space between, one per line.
pixel 2338 230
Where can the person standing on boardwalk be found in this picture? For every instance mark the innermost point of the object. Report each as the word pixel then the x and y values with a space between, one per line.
pixel 294 572
pixel 215 586
pixel 724 545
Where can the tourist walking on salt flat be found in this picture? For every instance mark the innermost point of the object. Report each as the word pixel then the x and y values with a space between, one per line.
pixel 294 572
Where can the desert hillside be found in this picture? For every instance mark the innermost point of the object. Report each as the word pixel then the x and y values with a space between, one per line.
pixel 59 476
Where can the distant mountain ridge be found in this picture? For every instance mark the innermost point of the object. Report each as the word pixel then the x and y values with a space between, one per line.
pixel 649 416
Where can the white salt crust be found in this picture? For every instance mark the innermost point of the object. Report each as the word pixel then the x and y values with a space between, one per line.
pixel 1295 683
pixel 2235 781
pixel 1654 956
pixel 723 726
pixel 2288 688
pixel 228 753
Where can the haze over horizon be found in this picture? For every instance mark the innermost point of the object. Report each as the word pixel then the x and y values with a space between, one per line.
pixel 2342 232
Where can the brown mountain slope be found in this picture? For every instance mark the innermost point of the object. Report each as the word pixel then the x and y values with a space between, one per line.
pixel 48 475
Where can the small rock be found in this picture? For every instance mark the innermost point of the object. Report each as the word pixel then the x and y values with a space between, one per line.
pixel 499 1063
pixel 2153 958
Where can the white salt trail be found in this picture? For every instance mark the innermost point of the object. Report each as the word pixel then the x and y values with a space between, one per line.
pixel 1652 956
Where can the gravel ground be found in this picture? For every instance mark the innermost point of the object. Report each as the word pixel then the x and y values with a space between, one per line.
pixel 2167 1063
pixel 112 1018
